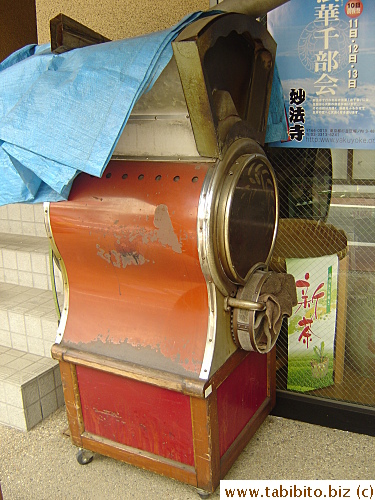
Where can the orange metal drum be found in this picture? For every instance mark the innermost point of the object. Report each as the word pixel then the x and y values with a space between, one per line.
pixel 129 244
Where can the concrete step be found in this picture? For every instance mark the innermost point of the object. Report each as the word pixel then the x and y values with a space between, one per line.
pixel 23 219
pixel 30 388
pixel 28 319
pixel 30 384
pixel 24 260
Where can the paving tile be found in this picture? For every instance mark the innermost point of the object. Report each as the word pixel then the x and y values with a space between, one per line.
pixel 27 255
pixel 38 263
pixel 49 361
pixel 31 292
pixel 13 393
pixel 40 281
pixel 19 363
pixel 24 261
pixel 4 418
pixel 31 357
pixel 28 228
pixel 33 326
pixel 4 212
pixel 6 358
pixel 5 339
pixel 4 226
pixel 52 316
pixel 40 230
pixel 39 212
pixel 17 417
pixel 14 226
pixel 16 353
pixel 4 322
pixel 49 329
pixel 21 312
pixel 19 341
pixel 9 259
pixel 33 415
pixel 10 276
pixel 16 322
pixel 35 346
pixel 30 393
pixel 20 378
pixel 19 307
pixel 14 211
pixel 49 404
pixel 57 375
pixel 30 382
pixel 2 392
pixel 60 396
pixel 37 369
pixel 27 212
pixel 8 290
pixel 6 372
pixel 35 302
pixel 46 383
pixel 25 278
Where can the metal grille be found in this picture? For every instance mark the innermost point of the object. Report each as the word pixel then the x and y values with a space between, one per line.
pixel 327 207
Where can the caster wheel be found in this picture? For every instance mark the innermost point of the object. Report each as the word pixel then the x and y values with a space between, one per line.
pixel 203 493
pixel 84 457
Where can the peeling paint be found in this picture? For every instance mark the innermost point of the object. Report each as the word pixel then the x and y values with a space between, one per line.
pixel 101 253
pixel 144 355
pixel 121 260
pixel 165 233
pixel 140 232
pixel 132 258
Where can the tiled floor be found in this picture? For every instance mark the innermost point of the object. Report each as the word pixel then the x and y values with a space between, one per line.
pixel 30 385
pixel 27 319
pixel 22 219
pixel 24 260
pixel 30 388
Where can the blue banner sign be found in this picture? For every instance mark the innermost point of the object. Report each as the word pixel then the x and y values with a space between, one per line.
pixel 325 57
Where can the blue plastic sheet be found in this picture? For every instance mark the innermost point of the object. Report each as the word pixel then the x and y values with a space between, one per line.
pixel 62 114
pixel 277 123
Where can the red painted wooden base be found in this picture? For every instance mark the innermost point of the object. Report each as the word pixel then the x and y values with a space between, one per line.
pixel 192 437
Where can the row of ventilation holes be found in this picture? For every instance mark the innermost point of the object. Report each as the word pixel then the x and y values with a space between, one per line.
pixel 157 178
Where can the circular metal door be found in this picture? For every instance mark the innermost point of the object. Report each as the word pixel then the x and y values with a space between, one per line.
pixel 247 216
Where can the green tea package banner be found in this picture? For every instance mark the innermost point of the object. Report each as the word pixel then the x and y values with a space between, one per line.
pixel 311 330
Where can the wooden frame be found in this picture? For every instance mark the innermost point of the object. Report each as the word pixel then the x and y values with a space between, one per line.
pixel 209 467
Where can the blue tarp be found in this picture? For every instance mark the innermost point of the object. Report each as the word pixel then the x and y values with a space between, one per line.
pixel 61 114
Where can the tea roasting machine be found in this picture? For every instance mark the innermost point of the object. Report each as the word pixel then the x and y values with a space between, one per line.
pixel 170 313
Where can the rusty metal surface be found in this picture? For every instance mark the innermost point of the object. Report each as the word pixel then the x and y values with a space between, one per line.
pixel 158 115
pixel 215 89
pixel 68 34
pixel 230 56
pixel 129 244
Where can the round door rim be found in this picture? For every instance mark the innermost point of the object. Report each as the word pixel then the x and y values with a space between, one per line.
pixel 223 215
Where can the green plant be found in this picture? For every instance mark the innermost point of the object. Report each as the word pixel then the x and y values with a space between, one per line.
pixel 319 352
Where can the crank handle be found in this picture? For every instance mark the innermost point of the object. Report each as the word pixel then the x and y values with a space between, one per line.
pixel 243 304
